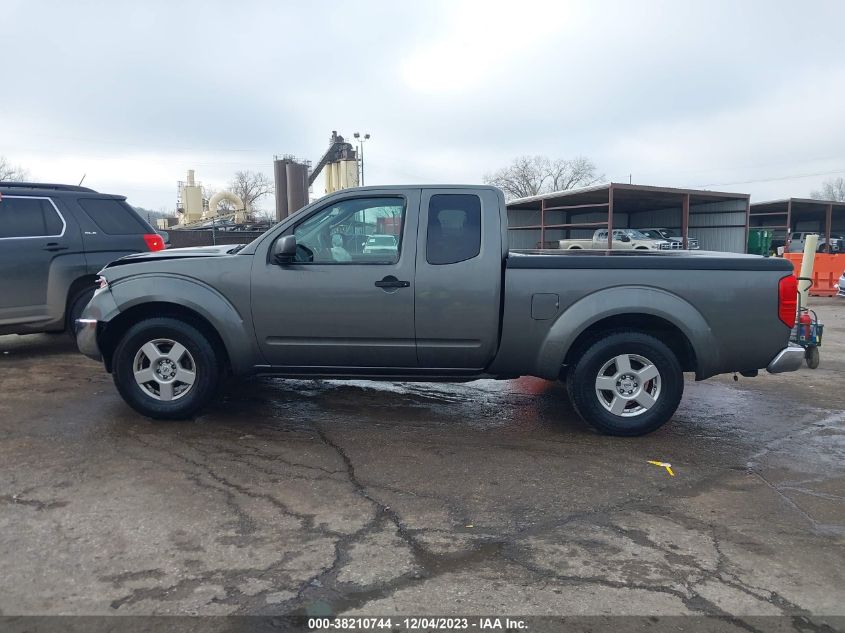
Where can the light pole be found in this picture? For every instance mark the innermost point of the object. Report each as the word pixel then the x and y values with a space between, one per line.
pixel 361 140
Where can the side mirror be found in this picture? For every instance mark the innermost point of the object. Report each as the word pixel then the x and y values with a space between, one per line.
pixel 284 250
pixel 624 238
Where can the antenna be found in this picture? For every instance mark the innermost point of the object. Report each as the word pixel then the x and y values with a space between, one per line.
pixel 81 179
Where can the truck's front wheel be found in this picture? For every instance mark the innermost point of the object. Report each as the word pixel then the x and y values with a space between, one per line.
pixel 626 383
pixel 165 369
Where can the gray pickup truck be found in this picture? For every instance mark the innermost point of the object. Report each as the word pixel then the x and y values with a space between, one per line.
pixel 449 303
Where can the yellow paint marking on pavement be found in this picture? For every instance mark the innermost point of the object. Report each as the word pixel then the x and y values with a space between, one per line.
pixel 665 465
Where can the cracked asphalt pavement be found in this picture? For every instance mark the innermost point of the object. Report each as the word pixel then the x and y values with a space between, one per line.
pixel 318 497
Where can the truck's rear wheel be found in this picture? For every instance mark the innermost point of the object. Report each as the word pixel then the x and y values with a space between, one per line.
pixel 165 369
pixel 627 383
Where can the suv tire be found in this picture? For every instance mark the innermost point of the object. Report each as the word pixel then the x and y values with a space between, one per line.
pixel 75 307
pixel 165 369
pixel 627 383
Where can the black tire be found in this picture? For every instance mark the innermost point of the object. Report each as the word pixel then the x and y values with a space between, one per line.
pixel 75 307
pixel 200 359
pixel 811 355
pixel 635 419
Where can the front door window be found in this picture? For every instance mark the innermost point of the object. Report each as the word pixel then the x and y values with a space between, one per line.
pixel 355 231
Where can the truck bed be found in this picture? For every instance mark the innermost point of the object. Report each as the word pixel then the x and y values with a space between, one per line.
pixel 643 259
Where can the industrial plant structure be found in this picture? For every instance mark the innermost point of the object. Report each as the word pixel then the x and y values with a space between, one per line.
pixel 340 162
pixel 292 184
pixel 193 209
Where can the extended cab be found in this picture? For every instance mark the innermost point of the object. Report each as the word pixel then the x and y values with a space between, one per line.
pixel 450 302
pixel 631 239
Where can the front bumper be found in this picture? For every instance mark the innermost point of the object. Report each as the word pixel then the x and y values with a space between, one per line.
pixel 86 338
pixel 788 359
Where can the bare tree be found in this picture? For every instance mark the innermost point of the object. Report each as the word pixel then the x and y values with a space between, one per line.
pixel 250 187
pixel 833 189
pixel 576 172
pixel 11 172
pixel 533 175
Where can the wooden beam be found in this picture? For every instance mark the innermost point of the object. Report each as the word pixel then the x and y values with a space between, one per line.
pixel 685 220
pixel 577 225
pixel 747 222
pixel 828 223
pixel 542 223
pixel 610 217
pixel 788 226
pixel 577 206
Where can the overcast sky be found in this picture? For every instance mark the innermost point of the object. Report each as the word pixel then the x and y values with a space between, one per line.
pixel 736 96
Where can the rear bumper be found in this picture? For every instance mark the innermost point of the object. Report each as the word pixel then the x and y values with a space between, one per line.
pixel 788 359
pixel 86 338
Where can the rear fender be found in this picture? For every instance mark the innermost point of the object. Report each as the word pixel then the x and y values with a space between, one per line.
pixel 627 300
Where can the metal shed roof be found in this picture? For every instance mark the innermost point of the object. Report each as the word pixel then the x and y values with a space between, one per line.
pixel 645 196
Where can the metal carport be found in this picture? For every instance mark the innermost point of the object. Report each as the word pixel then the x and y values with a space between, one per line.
pixel 717 219
pixel 825 217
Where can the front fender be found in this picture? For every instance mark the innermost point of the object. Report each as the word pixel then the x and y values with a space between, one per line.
pixel 190 293
pixel 627 300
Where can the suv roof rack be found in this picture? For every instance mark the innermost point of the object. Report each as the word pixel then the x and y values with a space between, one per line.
pixel 45 185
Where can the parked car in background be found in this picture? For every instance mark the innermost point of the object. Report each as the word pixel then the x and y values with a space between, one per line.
pixel 451 303
pixel 673 236
pixel 797 239
pixel 53 241
pixel 622 239
pixel 377 244
pixel 840 287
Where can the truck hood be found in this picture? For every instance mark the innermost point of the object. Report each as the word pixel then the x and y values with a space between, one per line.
pixel 175 253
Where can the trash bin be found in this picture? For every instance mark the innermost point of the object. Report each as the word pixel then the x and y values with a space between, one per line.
pixel 760 241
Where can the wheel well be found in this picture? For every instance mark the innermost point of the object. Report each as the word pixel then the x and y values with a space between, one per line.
pixel 76 287
pixel 658 327
pixel 111 333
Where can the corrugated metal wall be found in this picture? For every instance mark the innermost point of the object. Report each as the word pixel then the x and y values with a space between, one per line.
pixel 719 226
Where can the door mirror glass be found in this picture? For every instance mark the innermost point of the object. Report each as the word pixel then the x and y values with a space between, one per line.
pixel 624 238
pixel 284 250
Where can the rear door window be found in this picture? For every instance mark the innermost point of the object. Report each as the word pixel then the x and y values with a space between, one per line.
pixel 112 216
pixel 454 228
pixel 29 217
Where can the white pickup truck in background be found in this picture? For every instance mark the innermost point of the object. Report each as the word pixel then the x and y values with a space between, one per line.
pixel 673 236
pixel 622 239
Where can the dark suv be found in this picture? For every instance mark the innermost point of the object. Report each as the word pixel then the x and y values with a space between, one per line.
pixel 53 241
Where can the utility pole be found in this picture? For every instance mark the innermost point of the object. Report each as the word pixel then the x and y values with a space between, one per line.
pixel 360 141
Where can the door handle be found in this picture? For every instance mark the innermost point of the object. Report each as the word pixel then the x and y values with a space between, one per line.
pixel 391 282
pixel 54 246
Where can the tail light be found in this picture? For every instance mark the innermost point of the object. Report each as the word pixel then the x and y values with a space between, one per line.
pixel 788 299
pixel 154 241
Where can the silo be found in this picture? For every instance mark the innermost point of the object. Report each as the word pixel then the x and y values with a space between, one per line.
pixel 281 179
pixel 297 186
pixel 305 186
